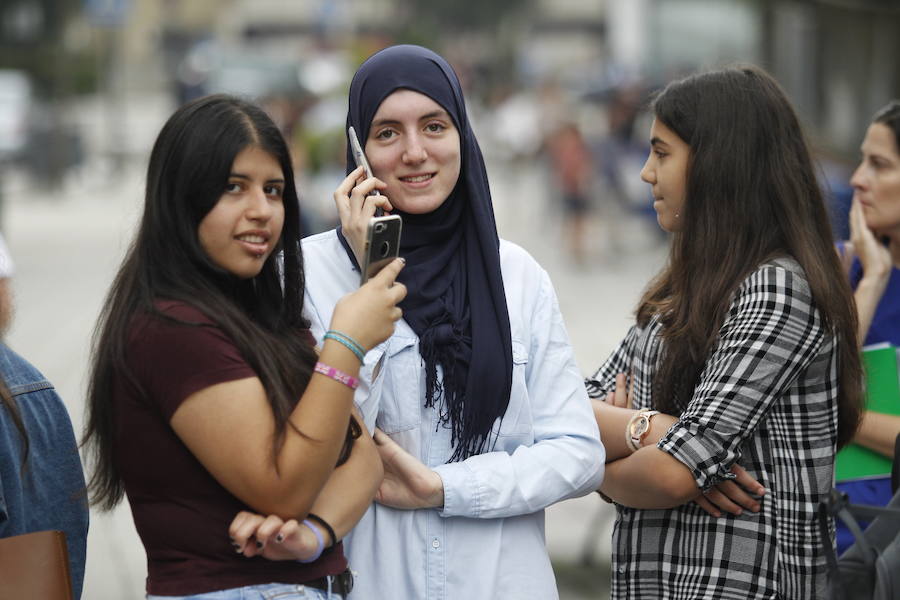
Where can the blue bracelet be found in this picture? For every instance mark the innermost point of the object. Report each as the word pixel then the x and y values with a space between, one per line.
pixel 348 339
pixel 351 344
pixel 320 543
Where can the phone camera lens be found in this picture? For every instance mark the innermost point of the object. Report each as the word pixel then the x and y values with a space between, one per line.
pixel 379 227
pixel 384 249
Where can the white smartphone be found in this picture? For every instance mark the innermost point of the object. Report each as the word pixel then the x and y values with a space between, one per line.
pixel 382 245
pixel 359 157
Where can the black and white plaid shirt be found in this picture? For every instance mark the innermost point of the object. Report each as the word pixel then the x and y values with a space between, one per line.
pixel 767 400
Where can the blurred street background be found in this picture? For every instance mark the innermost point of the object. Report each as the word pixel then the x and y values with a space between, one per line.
pixel 556 90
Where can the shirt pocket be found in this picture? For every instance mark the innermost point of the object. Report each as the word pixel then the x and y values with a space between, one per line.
pixel 400 408
pixel 368 395
pixel 517 426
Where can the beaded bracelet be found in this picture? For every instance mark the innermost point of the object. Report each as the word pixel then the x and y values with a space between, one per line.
pixel 351 344
pixel 320 543
pixel 336 374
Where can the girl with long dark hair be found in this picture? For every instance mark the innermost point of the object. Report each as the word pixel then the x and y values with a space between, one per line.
pixel 207 396
pixel 743 366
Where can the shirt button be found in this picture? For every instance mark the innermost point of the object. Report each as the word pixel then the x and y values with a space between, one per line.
pixel 621 569
pixel 435 543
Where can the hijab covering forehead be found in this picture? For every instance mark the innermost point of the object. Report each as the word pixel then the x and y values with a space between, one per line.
pixel 403 67
pixel 456 302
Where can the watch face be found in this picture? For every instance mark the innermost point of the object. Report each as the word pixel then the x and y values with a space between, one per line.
pixel 641 427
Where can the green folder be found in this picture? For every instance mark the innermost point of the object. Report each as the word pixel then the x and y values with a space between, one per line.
pixel 882 395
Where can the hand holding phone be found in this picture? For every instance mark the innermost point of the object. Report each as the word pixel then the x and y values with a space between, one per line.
pixel 359 157
pixel 382 245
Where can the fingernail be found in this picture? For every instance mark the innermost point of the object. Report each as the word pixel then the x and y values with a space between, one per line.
pixel 738 513
pixel 717 514
pixel 237 550
pixel 235 544
pixel 403 260
pixel 279 538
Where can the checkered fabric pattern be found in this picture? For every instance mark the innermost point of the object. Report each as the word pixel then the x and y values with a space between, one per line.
pixel 767 400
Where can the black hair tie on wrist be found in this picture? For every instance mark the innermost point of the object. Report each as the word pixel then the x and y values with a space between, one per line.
pixel 326 527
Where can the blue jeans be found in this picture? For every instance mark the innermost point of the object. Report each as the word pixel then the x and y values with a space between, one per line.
pixel 266 591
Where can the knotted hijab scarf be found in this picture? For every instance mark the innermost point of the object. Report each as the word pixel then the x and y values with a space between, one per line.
pixel 455 299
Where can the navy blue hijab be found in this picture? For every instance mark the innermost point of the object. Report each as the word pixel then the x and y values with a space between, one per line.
pixel 455 301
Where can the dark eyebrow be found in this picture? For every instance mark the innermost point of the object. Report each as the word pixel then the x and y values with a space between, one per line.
pixel 656 141
pixel 381 122
pixel 877 155
pixel 434 114
pixel 247 177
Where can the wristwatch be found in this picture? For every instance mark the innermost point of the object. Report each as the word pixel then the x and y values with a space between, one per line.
pixel 637 428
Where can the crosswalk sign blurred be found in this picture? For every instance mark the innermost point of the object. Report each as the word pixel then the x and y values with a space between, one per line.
pixel 107 13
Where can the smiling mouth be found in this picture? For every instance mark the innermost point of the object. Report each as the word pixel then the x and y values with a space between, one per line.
pixel 418 178
pixel 252 239
pixel 256 243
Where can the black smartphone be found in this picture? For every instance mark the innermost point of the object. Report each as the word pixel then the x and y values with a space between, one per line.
pixel 359 157
pixel 382 245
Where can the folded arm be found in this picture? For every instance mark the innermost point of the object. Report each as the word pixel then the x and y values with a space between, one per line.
pixel 749 369
pixel 347 495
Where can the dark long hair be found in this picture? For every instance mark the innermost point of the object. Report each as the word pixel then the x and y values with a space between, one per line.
pixel 751 195
pixel 188 172
pixel 889 115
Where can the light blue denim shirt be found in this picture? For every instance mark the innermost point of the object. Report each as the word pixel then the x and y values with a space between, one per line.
pixel 50 492
pixel 488 540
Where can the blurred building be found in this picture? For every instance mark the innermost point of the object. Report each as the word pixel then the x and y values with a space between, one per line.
pixel 839 60
pixel 836 58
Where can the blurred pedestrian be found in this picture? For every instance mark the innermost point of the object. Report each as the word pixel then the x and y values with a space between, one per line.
pixel 207 398
pixel 573 168
pixel 743 367
pixel 872 257
pixel 483 418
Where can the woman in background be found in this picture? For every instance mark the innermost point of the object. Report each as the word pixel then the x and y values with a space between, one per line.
pixel 872 258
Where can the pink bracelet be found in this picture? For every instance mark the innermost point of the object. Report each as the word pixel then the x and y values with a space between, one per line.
pixel 338 375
